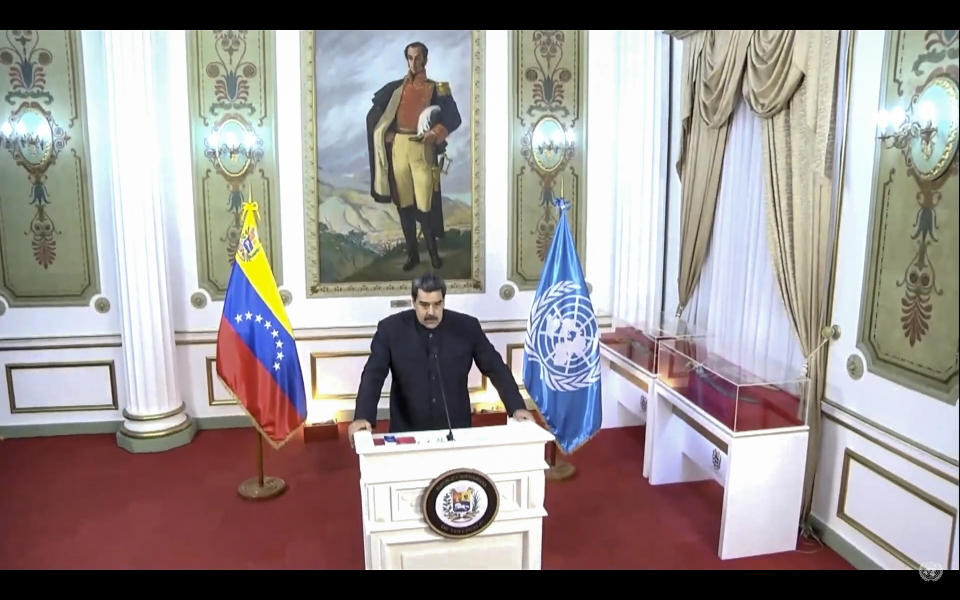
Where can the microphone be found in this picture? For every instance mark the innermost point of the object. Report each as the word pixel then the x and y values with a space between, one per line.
pixel 443 396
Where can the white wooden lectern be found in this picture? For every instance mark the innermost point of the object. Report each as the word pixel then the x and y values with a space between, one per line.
pixel 395 477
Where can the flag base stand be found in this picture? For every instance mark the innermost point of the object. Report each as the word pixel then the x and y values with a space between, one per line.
pixel 260 487
pixel 559 469
pixel 255 489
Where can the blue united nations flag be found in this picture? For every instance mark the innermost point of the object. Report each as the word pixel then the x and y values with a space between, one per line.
pixel 561 368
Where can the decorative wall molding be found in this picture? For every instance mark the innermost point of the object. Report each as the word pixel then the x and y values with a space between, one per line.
pixel 839 409
pixel 313 334
pixel 890 448
pixel 547 145
pixel 851 458
pixel 58 389
pixel 59 343
pixel 909 326
pixel 210 369
pixel 48 254
pixel 233 135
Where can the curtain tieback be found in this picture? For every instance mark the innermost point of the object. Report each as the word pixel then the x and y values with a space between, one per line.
pixel 827 332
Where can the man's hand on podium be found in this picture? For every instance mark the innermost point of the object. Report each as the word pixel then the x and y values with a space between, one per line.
pixel 522 414
pixel 358 425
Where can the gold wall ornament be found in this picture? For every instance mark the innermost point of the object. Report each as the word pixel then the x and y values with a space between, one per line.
pixel 550 144
pixel 234 148
pixel 286 297
pixel 198 300
pixel 508 291
pixel 102 305
pixel 547 109
pixel 854 367
pixel 909 327
pixel 232 89
pixel 48 251
pixel 926 132
pixel 33 137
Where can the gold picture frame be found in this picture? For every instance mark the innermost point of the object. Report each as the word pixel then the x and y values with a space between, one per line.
pixel 350 241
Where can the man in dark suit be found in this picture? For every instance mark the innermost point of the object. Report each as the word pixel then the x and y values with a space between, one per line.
pixel 429 352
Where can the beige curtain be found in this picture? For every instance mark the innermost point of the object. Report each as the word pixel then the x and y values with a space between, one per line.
pixel 791 80
pixel 788 78
pixel 712 72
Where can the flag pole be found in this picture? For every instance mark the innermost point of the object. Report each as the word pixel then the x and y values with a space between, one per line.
pixel 239 382
pixel 260 487
pixel 559 469
pixel 260 457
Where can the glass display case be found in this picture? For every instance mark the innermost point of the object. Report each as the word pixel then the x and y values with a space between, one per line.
pixel 768 397
pixel 638 342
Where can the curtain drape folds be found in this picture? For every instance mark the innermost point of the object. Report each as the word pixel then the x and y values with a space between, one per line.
pixel 789 79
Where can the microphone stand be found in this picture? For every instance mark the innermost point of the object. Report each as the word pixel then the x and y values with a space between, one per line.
pixel 443 396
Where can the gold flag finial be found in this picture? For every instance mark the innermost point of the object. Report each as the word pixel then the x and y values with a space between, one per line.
pixel 251 206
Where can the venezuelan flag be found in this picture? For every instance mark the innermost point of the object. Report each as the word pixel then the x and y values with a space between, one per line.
pixel 256 353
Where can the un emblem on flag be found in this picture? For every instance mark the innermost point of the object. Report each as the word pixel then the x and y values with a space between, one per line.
pixel 562 337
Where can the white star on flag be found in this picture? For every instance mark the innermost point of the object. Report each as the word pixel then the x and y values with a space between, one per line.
pixel 274 333
pixel 279 344
pixel 279 355
pixel 259 318
pixel 267 324
pixel 276 366
pixel 238 318
pixel 248 315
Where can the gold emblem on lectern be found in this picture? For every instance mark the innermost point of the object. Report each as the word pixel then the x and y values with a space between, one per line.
pixel 460 503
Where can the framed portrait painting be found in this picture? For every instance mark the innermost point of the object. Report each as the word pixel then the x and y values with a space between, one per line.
pixel 393 160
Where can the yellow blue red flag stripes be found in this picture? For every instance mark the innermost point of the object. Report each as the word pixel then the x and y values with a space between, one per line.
pixel 256 353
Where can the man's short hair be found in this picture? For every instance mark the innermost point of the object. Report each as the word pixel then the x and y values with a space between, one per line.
pixel 428 282
pixel 420 45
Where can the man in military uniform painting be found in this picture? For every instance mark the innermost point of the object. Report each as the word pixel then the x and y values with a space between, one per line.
pixel 407 128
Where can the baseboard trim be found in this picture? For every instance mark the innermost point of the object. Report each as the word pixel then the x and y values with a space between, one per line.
pixel 100 427
pixel 226 422
pixel 52 429
pixel 844 548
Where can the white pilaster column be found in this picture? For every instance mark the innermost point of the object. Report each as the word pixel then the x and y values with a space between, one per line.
pixel 154 414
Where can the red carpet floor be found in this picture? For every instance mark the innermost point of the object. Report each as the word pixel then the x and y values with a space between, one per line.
pixel 81 502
